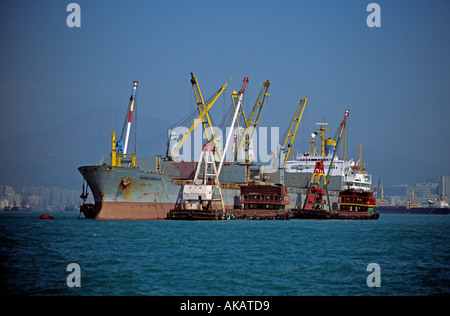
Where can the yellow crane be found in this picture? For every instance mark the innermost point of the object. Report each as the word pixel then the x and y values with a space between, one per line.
pixel 380 200
pixel 201 106
pixel 347 112
pixel 235 100
pixel 203 111
pixel 252 122
pixel 413 203
pixel 290 136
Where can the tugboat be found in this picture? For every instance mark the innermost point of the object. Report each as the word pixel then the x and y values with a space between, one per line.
pixel 357 205
pixel 354 203
pixel 263 201
pixel 357 201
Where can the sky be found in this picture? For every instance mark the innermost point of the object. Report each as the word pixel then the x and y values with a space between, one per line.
pixel 393 78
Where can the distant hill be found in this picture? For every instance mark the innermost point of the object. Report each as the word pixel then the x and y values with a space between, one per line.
pixel 51 157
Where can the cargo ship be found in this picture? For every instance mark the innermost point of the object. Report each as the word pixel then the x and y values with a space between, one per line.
pixel 417 210
pixel 437 207
pixel 124 186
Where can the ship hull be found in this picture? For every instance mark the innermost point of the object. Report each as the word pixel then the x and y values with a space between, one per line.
pixel 128 210
pixel 130 193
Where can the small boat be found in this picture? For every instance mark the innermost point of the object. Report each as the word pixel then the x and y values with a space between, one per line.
pixel 46 216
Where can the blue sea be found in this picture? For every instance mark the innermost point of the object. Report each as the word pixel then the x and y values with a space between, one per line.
pixel 251 258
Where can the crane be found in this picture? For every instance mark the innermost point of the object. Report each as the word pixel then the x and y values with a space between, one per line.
pixel 202 190
pixel 337 143
pixel 318 186
pixel 203 111
pixel 120 147
pixel 201 106
pixel 380 198
pixel 291 134
pixel 130 115
pixel 252 122
pixel 235 98
pixel 241 94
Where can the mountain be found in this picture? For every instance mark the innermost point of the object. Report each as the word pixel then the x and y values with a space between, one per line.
pixel 51 157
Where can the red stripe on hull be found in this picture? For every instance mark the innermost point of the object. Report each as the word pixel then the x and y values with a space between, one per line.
pixel 132 210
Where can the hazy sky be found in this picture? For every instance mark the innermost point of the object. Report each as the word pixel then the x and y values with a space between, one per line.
pixel 394 79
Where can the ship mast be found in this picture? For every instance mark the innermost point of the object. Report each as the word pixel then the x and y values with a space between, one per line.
pixel 322 129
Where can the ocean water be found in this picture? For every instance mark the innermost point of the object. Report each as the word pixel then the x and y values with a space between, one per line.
pixel 257 258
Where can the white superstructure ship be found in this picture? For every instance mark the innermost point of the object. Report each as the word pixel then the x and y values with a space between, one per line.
pixel 352 173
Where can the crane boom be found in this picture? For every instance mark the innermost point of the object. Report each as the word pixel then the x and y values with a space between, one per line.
pixel 200 118
pixel 234 97
pixel 337 143
pixel 236 111
pixel 119 147
pixel 253 122
pixel 291 135
pixel 130 115
pixel 201 106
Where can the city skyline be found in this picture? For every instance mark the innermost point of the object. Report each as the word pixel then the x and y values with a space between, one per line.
pixel 55 198
pixel 38 198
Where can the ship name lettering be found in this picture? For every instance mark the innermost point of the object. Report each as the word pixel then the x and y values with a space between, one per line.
pixel 149 178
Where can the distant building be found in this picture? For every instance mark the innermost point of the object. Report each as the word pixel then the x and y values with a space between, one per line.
pixel 9 197
pixel 3 203
pixel 445 187
pixel 426 191
pixel 38 197
pixel 397 190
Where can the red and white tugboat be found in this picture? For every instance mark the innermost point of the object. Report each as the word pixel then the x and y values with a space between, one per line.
pixel 354 202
